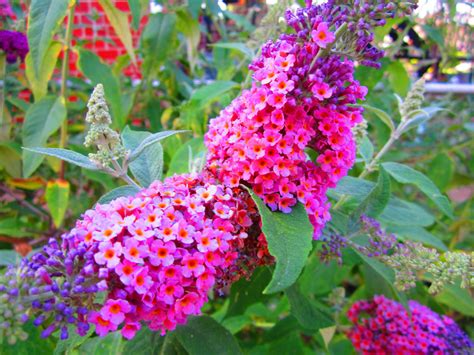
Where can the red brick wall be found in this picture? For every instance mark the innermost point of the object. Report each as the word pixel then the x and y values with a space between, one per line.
pixel 93 31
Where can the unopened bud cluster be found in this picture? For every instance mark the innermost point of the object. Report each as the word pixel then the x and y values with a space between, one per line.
pixel 413 101
pixel 108 142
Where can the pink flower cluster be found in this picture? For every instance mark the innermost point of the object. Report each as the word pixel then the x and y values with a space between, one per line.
pixel 297 103
pixel 389 329
pixel 158 254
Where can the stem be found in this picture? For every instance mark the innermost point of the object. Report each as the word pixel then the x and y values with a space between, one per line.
pixel 64 74
pixel 25 203
pixel 122 173
pixel 3 69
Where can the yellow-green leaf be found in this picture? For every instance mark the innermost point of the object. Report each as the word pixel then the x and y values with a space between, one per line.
pixel 119 21
pixel 39 79
pixel 57 198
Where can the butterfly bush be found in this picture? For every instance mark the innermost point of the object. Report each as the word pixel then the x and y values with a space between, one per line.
pixel 300 100
pixel 390 329
pixel 14 45
pixel 148 259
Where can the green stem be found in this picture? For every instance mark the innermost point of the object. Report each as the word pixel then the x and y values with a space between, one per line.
pixel 325 51
pixel 3 83
pixel 64 75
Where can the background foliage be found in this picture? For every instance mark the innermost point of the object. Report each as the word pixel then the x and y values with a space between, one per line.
pixel 193 63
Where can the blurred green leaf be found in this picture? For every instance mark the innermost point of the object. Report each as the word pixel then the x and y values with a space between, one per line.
pixel 119 22
pixel 149 140
pixel 366 149
pixel 10 159
pixel 39 79
pixel 100 73
pixel 180 161
pixel 441 170
pixel 35 345
pixel 41 121
pixel 418 234
pixel 241 47
pixel 203 336
pixel 44 18
pixel 113 343
pixel 398 78
pixel 208 93
pixel 384 117
pixel 57 199
pixel 406 175
pixel 280 230
pixel 244 293
pixel 189 26
pixel 145 342
pixel 13 227
pixel 457 298
pixel 309 313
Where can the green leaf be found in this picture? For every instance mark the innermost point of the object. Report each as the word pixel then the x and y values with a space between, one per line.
pixel 41 121
pixel 241 47
pixel 328 334
pixel 57 199
pixel 121 191
pixel 34 345
pixel 418 117
pixel 119 22
pixel 375 202
pixel 384 117
pixel 418 234
pixel 397 212
pixel 406 175
pixel 190 28
pixel 148 166
pixel 8 257
pixel 366 149
pixel 10 159
pixel 309 313
pixel 204 336
pixel 282 230
pixel 208 93
pixel 441 170
pixel 457 298
pixel 149 140
pixel 100 73
pixel 74 341
pixel 39 79
pixel 385 272
pixel 247 292
pixel 44 18
pixel 145 342
pixel 434 34
pixel 67 155
pixel 157 39
pixel 113 343
pixel 180 162
pixel 12 227
pixel 398 78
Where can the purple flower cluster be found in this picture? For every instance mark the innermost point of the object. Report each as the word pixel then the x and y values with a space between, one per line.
pixel 390 329
pixel 14 45
pixel 5 9
pixel 379 242
pixel 332 248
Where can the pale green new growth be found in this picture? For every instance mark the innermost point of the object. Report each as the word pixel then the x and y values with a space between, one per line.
pixel 413 101
pixel 108 142
pixel 360 131
pixel 412 261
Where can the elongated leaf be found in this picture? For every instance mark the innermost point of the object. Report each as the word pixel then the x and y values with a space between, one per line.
pixel 149 140
pixel 157 39
pixel 57 199
pixel 241 47
pixel 398 78
pixel 418 234
pixel 119 22
pixel 66 155
pixel 39 80
pixel 375 202
pixel 441 170
pixel 44 18
pixel 366 150
pixel 10 159
pixel 118 192
pixel 100 73
pixel 148 166
pixel 406 175
pixel 208 93
pixel 113 343
pixel 282 230
pixel 457 298
pixel 385 272
pixel 145 342
pixel 384 117
pixel 12 227
pixel 180 162
pixel 191 30
pixel 397 212
pixel 204 336
pixel 247 292
pixel 309 313
pixel 41 121
pixel 421 116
